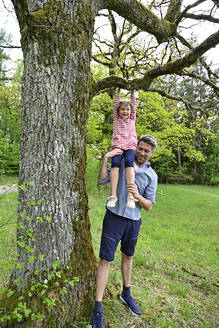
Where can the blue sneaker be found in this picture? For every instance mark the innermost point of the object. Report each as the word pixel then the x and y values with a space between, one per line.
pixel 130 302
pixel 97 320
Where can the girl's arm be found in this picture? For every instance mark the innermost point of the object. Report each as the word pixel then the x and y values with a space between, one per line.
pixel 116 101
pixel 133 102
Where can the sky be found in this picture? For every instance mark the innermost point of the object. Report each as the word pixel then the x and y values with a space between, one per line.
pixel 9 22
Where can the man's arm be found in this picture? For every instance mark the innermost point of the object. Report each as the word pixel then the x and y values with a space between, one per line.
pixel 143 202
pixel 103 168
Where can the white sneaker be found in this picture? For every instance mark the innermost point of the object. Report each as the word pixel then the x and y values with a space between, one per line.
pixel 112 201
pixel 130 202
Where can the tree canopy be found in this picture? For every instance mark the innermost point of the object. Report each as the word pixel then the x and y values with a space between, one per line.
pixel 164 21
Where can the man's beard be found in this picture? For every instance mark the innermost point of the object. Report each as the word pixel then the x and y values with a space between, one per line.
pixel 140 161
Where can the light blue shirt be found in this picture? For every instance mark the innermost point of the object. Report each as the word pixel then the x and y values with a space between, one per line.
pixel 146 181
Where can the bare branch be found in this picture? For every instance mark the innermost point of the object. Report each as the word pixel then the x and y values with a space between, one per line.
pixel 10 11
pixel 108 64
pixel 202 17
pixel 201 78
pixel 9 47
pixel 171 67
pixel 195 4
pixel 187 103
pixel 136 13
pixel 173 11
pixel 206 66
pixel 186 61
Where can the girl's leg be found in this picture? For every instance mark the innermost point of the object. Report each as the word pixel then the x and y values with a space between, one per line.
pixel 130 178
pixel 130 174
pixel 114 178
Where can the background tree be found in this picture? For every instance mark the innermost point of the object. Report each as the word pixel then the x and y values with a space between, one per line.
pixel 10 110
pixel 129 52
pixel 53 226
pixel 3 56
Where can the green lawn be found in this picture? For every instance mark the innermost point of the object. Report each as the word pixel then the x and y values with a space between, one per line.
pixel 8 217
pixel 175 271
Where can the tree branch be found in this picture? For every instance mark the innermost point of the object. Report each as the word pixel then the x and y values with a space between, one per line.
pixel 188 8
pixel 188 45
pixel 202 17
pixel 171 67
pixel 201 78
pixel 10 47
pixel 173 11
pixel 187 103
pixel 186 61
pixel 136 13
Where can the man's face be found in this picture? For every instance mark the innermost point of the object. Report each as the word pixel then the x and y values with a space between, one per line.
pixel 143 152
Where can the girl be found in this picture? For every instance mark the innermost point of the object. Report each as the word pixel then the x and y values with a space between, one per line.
pixel 124 138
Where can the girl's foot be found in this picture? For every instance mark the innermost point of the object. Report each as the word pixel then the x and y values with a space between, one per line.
pixel 112 201
pixel 130 202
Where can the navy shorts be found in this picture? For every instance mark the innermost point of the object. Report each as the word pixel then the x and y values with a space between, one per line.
pixel 129 156
pixel 116 228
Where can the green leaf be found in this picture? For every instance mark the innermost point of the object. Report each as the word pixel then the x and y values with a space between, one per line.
pixel 10 293
pixel 48 219
pixel 41 257
pixel 59 274
pixel 51 276
pixel 56 264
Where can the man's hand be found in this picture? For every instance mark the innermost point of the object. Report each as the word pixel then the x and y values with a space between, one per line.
pixel 133 189
pixel 113 152
pixel 103 169
pixel 143 202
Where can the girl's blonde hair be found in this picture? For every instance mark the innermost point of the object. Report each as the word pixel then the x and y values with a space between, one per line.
pixel 121 102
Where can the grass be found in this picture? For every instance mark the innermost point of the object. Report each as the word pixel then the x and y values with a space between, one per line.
pixel 8 216
pixel 175 267
pixel 8 180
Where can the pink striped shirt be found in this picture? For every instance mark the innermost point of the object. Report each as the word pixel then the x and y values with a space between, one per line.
pixel 124 131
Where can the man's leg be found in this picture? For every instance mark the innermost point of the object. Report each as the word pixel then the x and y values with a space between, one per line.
pixel 125 296
pixel 112 228
pixel 101 278
pixel 128 244
pixel 126 268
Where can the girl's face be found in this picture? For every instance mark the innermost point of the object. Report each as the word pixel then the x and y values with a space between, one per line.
pixel 125 111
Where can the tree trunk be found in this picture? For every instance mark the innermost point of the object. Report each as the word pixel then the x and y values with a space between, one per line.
pixel 54 232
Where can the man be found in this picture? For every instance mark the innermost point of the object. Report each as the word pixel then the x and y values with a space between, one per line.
pixel 123 224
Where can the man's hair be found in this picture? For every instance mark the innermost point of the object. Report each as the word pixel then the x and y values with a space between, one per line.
pixel 149 140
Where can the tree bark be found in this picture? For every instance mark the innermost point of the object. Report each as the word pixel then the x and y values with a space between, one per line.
pixel 53 226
